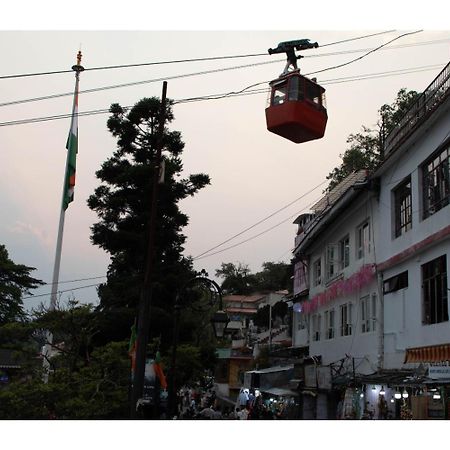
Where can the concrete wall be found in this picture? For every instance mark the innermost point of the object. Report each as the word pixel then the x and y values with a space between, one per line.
pixel 403 308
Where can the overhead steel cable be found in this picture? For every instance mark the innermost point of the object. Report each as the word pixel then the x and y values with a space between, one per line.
pixel 136 83
pixel 242 92
pixel 261 221
pixel 178 61
pixel 365 54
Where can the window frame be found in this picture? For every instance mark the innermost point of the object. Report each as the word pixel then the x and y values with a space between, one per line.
pixel 402 196
pixel 344 252
pixel 435 297
pixel 317 275
pixel 368 309
pixel 345 312
pixel 329 316
pixel 436 181
pixel 316 327
pixel 363 248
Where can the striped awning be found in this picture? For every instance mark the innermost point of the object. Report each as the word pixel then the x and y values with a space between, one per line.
pixel 432 353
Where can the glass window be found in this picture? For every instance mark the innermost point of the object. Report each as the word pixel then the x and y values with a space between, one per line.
pixel 331 261
pixel 344 252
pixel 363 240
pixel 395 283
pixel 434 291
pixel 313 92
pixel 279 94
pixel 368 313
pixel 329 324
pixel 403 207
pixel 295 89
pixel 436 182
pixel 346 319
pixel 316 326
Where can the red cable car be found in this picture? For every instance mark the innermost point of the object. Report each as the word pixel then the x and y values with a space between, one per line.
pixel 296 108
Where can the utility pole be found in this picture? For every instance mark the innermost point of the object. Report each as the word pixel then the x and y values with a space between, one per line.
pixel 146 292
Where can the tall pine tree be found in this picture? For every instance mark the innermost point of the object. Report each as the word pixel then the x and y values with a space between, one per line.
pixel 123 203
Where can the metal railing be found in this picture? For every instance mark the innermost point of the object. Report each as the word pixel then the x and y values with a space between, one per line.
pixel 426 103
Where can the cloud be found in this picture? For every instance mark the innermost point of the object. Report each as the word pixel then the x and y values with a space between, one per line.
pixel 41 235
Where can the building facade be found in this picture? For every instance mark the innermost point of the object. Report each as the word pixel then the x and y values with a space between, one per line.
pixel 371 274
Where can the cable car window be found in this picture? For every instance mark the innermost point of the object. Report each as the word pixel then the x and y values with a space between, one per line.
pixel 294 89
pixel 279 95
pixel 313 93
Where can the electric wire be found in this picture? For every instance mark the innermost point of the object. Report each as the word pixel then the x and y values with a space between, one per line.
pixel 73 281
pixel 154 63
pixel 206 72
pixel 261 221
pixel 60 292
pixel 259 234
pixel 242 92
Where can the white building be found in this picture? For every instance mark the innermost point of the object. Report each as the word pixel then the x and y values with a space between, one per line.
pixel 371 278
pixel 413 256
pixel 337 295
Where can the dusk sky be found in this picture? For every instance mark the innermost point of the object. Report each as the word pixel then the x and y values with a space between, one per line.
pixel 253 172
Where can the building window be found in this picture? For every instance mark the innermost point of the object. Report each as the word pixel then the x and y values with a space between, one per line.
pixel 344 252
pixel 331 261
pixel 403 207
pixel 395 283
pixel 368 313
pixel 434 291
pixel 363 240
pixel 346 319
pixel 329 324
pixel 316 325
pixel 317 272
pixel 301 321
pixel 436 182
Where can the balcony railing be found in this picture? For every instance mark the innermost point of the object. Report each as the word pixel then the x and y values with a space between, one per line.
pixel 426 103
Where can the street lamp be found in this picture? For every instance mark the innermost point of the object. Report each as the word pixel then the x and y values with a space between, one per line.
pixel 219 323
pixel 207 295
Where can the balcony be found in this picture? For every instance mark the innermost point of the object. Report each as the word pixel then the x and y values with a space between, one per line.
pixel 433 96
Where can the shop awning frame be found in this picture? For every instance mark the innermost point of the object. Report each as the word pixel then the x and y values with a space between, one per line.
pixel 428 354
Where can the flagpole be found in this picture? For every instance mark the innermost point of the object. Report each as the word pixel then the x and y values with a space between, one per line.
pixel 77 68
pixel 53 296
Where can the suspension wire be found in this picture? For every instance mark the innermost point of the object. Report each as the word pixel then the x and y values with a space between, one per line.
pixel 136 83
pixel 212 58
pixel 242 92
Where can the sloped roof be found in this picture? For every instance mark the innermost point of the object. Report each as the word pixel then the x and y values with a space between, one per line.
pixel 338 191
pixel 243 298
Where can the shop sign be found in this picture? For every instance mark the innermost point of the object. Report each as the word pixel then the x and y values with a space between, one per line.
pixel 438 372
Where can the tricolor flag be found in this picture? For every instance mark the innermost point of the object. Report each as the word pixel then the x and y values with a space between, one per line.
pixel 72 148
pixel 132 347
pixel 159 372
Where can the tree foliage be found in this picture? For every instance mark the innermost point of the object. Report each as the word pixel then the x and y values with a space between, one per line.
pixel 238 279
pixel 123 204
pixel 365 147
pixel 15 281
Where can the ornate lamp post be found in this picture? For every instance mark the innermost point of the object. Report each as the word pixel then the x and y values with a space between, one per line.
pixel 200 294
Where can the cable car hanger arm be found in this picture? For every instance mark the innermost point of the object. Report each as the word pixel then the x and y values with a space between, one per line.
pixel 289 48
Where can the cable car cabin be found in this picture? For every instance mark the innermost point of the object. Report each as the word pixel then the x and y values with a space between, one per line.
pixel 296 108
